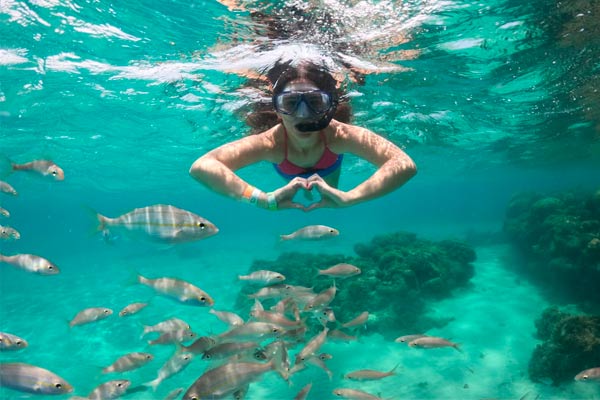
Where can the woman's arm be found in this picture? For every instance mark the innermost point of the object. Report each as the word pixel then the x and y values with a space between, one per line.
pixel 216 169
pixel 395 167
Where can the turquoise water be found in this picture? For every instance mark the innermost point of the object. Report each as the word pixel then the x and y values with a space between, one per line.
pixel 497 98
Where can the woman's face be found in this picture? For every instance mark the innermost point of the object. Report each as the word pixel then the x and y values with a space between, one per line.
pixel 303 113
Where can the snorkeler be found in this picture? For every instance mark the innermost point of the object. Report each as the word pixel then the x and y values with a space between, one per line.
pixel 306 147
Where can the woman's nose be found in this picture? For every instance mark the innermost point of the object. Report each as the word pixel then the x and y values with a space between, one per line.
pixel 303 111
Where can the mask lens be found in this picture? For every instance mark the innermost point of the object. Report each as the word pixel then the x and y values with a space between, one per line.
pixel 287 103
pixel 319 102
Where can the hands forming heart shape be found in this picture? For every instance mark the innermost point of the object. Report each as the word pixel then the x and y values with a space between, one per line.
pixel 318 193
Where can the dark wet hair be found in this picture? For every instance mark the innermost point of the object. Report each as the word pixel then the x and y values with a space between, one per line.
pixel 264 117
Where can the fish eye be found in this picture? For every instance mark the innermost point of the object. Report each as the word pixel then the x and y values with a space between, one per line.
pixel 58 386
pixel 54 172
pixel 202 298
pixel 50 267
pixel 585 377
pixel 201 225
pixel 105 311
pixel 119 384
pixel 207 356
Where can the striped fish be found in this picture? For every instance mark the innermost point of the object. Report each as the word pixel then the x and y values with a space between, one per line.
pixel 32 379
pixel 161 222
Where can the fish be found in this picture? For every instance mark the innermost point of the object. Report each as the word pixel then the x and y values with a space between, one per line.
pixel 312 346
pixel 176 336
pixel 408 338
pixel 361 319
pixel 129 362
pixel 200 345
pixel 228 349
pixel 4 212
pixel 263 276
pixel 319 362
pixel 432 342
pixel 43 167
pixel 5 187
pixel 251 330
pixel 168 325
pixel 131 309
pixel 354 394
pixel 32 379
pixel 337 334
pixel 369 374
pixel 31 263
pixel 226 379
pixel 179 289
pixel 10 342
pixel 8 233
pixel 172 366
pixel 91 314
pixel 231 319
pixel 341 270
pixel 110 390
pixel 164 223
pixel 591 374
pixel 322 299
pixel 312 232
pixel 303 393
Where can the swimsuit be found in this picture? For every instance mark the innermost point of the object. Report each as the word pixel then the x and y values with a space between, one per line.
pixel 328 163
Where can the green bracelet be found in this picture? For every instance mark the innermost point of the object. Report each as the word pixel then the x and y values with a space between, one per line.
pixel 271 201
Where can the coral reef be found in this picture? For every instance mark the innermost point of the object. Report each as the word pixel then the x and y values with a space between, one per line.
pixel 400 273
pixel 571 343
pixel 559 237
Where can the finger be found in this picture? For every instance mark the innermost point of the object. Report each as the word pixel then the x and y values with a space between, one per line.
pixel 313 206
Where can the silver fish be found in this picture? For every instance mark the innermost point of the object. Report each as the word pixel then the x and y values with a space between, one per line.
pixel 354 394
pixel 312 346
pixel 31 263
pixel 408 338
pixel 110 390
pixel 179 289
pixel 32 379
pixel 432 342
pixel 231 319
pixel 131 309
pixel 591 374
pixel 9 233
pixel 251 330
pixel 226 379
pixel 262 276
pixel 7 188
pixel 4 212
pixel 173 394
pixel 177 336
pixel 312 232
pixel 173 365
pixel 162 222
pixel 369 374
pixel 129 362
pixel 228 349
pixel 91 314
pixel 43 167
pixel 10 342
pixel 171 324
pixel 304 392
pixel 200 345
pixel 361 319
pixel 341 270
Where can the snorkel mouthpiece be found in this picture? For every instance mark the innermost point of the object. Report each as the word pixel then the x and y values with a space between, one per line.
pixel 320 123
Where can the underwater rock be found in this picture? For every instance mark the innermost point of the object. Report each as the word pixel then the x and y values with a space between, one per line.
pixel 400 275
pixel 558 237
pixel 571 343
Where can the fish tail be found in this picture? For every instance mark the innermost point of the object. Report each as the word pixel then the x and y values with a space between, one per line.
pixel 285 237
pixel 457 347
pixel 153 384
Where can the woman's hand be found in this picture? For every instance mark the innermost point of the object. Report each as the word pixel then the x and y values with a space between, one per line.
pixel 285 194
pixel 330 196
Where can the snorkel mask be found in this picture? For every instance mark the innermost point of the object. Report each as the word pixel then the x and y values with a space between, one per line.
pixel 321 104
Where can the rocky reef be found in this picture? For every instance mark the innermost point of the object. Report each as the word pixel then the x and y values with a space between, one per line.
pixel 571 343
pixel 559 239
pixel 400 274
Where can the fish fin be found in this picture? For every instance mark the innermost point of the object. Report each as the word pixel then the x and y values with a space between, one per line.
pixel 6 166
pixel 457 347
